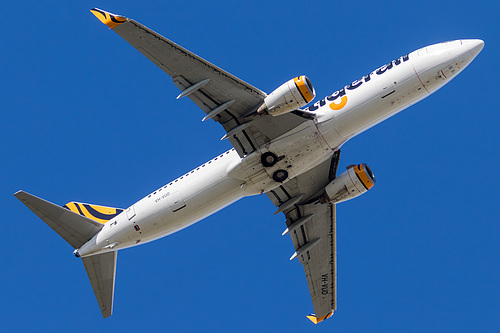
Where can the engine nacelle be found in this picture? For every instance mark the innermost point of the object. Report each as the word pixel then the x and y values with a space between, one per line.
pixel 290 96
pixel 352 183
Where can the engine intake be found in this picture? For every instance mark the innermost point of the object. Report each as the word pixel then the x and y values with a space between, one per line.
pixel 290 96
pixel 352 183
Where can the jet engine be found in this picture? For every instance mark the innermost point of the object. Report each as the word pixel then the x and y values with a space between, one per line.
pixel 288 97
pixel 352 183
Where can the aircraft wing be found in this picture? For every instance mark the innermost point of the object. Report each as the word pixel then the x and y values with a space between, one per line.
pixel 312 228
pixel 222 96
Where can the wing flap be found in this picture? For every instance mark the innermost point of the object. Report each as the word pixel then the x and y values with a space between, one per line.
pixel 320 264
pixel 101 270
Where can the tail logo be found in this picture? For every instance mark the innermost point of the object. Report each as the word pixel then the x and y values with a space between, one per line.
pixel 101 214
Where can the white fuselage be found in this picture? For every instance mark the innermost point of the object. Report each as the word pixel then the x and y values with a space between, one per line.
pixel 339 117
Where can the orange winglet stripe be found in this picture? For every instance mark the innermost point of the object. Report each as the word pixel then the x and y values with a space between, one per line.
pixel 111 20
pixel 316 320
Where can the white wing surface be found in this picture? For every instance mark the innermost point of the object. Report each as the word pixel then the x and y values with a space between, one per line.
pixel 222 96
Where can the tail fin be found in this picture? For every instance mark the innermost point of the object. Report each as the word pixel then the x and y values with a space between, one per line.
pixel 101 214
pixel 73 228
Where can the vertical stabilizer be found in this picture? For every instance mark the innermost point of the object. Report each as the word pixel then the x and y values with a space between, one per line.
pixel 101 270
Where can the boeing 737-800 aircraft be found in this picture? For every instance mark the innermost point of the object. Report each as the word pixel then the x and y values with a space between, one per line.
pixel 288 152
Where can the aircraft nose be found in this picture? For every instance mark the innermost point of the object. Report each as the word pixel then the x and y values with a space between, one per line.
pixel 474 45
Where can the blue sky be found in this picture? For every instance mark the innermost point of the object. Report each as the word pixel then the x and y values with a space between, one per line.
pixel 86 117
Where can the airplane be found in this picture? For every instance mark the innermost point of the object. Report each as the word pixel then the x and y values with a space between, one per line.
pixel 280 148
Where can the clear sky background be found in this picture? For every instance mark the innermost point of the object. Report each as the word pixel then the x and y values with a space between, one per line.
pixel 86 117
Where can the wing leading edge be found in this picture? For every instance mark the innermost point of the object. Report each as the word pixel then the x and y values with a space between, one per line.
pixel 222 96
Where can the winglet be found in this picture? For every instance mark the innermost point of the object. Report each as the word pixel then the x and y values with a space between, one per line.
pixel 111 20
pixel 316 320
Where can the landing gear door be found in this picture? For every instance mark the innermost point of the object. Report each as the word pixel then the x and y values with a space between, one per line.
pixel 130 212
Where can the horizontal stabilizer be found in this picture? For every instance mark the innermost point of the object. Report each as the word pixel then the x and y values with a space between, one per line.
pixel 101 270
pixel 73 228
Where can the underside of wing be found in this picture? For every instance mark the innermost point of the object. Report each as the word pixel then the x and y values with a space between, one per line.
pixel 72 227
pixel 222 96
pixel 312 228
pixel 320 260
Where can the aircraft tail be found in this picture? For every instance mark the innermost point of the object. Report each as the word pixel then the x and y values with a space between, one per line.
pixel 101 270
pixel 77 223
pixel 101 214
pixel 74 228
